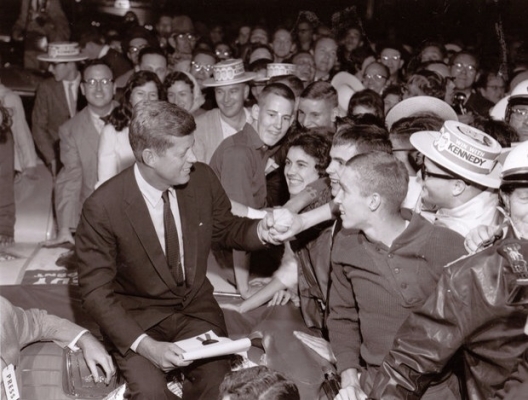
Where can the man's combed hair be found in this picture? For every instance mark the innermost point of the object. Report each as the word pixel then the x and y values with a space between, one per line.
pixel 258 383
pixel 365 138
pixel 153 125
pixel 320 90
pixel 381 173
pixel 279 89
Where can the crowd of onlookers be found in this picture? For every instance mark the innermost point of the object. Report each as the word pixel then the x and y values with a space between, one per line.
pixel 384 163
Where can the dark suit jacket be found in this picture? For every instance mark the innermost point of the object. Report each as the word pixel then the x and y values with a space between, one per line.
pixel 49 113
pixel 118 63
pixel 123 274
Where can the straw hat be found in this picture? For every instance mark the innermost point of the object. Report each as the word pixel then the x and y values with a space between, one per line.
pixel 277 69
pixel 346 85
pixel 463 150
pixel 59 52
pixel 420 105
pixel 229 72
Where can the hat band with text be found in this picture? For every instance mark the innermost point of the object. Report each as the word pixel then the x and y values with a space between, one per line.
pixel 223 73
pixel 469 148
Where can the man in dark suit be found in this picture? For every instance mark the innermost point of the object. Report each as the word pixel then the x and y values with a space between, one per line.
pixel 143 293
pixel 57 99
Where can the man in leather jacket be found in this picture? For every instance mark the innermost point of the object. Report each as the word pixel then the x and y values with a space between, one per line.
pixel 479 309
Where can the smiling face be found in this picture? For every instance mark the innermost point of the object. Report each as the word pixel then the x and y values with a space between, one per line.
pixel 464 71
pixel 325 55
pixel 173 166
pixel 148 91
pixel 299 170
pixel 316 113
pixel 274 116
pixel 230 98
pixel 180 93
pixel 99 96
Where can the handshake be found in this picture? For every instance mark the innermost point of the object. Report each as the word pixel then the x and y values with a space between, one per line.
pixel 279 225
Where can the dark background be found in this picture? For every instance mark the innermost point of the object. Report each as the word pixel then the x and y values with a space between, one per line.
pixel 473 21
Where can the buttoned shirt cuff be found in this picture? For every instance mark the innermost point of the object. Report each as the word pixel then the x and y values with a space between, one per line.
pixel 73 344
pixel 255 214
pixel 135 345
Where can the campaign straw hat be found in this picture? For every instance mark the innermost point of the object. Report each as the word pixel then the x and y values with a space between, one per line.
pixel 229 72
pixel 498 111
pixel 62 52
pixel 463 150
pixel 277 69
pixel 346 85
pixel 420 105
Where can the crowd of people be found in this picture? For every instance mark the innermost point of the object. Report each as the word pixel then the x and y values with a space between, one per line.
pixel 375 190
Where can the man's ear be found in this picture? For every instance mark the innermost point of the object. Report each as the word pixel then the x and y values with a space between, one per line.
pixel 335 113
pixel 458 187
pixel 374 201
pixel 255 110
pixel 149 157
pixel 246 92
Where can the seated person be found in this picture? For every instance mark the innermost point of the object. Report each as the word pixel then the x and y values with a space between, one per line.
pixel 257 383
pixel 306 161
pixel 479 308
pixel 21 327
pixel 115 153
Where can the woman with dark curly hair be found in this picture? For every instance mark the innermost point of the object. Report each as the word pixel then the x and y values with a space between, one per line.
pixel 115 153
pixel 307 158
pixel 7 184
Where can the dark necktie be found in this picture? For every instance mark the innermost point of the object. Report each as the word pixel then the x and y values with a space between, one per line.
pixel 172 244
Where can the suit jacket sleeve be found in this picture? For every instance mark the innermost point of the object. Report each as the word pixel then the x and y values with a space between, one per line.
pixel 41 121
pixel 97 248
pixel 69 181
pixel 21 327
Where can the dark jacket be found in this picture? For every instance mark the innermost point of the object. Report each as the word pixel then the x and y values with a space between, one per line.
pixel 478 308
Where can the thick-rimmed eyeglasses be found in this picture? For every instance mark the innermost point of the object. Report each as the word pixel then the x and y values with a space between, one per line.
pixel 375 77
pixel 136 49
pixel 94 82
pixel 198 67
pixel 427 174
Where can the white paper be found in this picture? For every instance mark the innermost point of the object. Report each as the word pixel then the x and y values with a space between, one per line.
pixel 194 349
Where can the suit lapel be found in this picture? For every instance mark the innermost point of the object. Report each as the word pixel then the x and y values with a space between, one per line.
pixel 189 220
pixel 139 217
pixel 90 137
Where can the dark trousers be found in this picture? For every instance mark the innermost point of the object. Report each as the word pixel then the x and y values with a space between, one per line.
pixel 147 382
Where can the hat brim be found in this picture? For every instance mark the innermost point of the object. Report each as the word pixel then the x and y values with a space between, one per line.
pixel 417 105
pixel 45 57
pixel 423 142
pixel 346 86
pixel 245 77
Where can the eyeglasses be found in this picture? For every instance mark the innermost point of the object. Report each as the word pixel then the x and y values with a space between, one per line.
pixel 181 36
pixel 391 58
pixel 198 67
pixel 375 77
pixel 519 113
pixel 225 53
pixel 469 68
pixel 426 174
pixel 94 82
pixel 135 49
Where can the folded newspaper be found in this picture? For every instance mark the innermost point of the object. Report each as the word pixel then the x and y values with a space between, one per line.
pixel 208 344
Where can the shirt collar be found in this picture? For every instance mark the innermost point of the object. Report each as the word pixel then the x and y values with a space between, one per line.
pixel 151 194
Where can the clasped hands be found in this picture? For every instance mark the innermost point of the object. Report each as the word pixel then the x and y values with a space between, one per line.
pixel 279 225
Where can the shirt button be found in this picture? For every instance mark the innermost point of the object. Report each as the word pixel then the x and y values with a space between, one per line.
pixel 390 256
pixel 396 270
pixel 403 286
